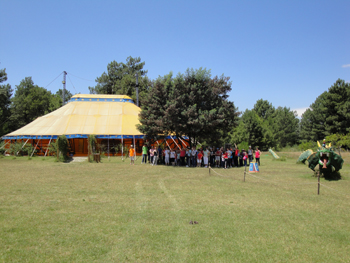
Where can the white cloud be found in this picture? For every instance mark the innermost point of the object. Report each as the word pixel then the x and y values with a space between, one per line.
pixel 300 111
pixel 346 66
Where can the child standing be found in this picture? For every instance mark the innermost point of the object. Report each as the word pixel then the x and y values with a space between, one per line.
pixel 132 155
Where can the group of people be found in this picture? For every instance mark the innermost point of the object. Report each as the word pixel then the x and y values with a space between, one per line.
pixel 202 157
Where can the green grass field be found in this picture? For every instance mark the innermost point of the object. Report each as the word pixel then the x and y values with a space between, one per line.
pixel 114 212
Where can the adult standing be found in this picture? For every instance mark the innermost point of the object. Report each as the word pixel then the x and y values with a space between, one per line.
pixel 151 154
pixel 155 156
pixel 172 156
pixel 182 156
pixel 205 157
pixel 257 155
pixel 144 153
pixel 250 154
pixel 167 156
pixel 194 156
pixel 217 157
pixel 189 156
pixel 160 154
pixel 236 156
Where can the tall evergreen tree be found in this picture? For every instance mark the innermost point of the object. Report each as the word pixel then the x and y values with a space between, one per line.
pixel 5 102
pixel 286 127
pixel 194 105
pixel 313 120
pixel 120 79
pixel 337 103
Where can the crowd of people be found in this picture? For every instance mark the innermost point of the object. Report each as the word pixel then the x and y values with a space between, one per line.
pixel 202 157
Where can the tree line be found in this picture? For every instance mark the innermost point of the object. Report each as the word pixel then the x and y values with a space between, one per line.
pixel 193 106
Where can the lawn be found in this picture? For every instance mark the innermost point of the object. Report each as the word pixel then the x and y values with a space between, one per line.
pixel 114 212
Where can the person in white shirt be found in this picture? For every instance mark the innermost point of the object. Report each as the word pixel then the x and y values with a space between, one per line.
pixel 167 155
pixel 172 156
pixel 206 153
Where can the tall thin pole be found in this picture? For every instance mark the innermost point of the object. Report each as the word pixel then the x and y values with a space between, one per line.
pixel 64 87
pixel 318 188
pixel 137 89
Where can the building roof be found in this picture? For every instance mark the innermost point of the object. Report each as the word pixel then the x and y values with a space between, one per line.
pixel 109 116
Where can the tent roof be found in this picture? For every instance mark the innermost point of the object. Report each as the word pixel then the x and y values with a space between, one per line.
pixel 109 116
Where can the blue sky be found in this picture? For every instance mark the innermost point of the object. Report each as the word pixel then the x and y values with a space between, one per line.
pixel 286 52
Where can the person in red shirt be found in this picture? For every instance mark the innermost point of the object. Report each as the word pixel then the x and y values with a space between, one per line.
pixel 199 158
pixel 225 157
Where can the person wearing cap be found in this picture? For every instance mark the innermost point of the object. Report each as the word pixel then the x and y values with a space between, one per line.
pixel 132 155
pixel 250 154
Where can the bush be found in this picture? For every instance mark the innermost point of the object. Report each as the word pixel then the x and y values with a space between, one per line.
pixel 63 148
pixel 308 145
pixel 2 147
pixel 15 148
pixel 53 147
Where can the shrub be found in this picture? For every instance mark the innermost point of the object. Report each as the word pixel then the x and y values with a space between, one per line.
pixel 63 148
pixel 308 145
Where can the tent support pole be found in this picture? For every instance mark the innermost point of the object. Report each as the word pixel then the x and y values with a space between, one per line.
pixel 22 146
pixel 134 147
pixel 108 149
pixel 35 148
pixel 48 147
pixel 167 144
pixel 5 144
pixel 175 142
pixel 122 149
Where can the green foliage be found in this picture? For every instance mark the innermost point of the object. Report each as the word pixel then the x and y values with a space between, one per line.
pixel 286 127
pixel 339 140
pixel 63 147
pixel 120 79
pixel 308 145
pixel 192 104
pixel 92 144
pixel 264 109
pixel 53 148
pixel 5 102
pixel 2 147
pixel 15 148
pixel 30 102
pixel 243 146
pixel 67 95
pixel 329 114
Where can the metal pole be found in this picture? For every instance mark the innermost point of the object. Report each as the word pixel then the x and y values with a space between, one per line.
pixel 122 149
pixel 245 171
pixel 48 146
pixel 137 89
pixel 23 146
pixel 35 148
pixel 175 142
pixel 318 188
pixel 5 144
pixel 64 87
pixel 134 147
pixel 108 148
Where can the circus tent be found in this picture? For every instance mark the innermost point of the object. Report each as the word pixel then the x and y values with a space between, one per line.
pixel 108 117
